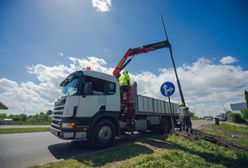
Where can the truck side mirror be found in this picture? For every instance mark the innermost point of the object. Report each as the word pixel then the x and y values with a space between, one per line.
pixel 87 89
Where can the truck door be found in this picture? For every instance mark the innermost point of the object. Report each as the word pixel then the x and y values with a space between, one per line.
pixel 90 105
pixel 103 97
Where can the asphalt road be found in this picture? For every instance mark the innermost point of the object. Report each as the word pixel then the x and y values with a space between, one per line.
pixel 196 124
pixel 28 149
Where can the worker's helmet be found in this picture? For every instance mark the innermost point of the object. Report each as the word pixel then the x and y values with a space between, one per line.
pixel 125 72
pixel 181 104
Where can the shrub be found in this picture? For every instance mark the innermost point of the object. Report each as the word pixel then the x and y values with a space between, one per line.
pixel 228 112
pixel 3 115
pixel 192 114
pixel 235 117
pixel 244 114
pixel 246 98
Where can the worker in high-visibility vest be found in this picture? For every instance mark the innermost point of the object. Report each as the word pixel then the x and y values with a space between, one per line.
pixel 185 117
pixel 124 81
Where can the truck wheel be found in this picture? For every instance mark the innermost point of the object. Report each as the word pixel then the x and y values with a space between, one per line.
pixel 103 134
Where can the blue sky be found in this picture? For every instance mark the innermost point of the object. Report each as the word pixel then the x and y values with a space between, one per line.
pixel 49 32
pixel 36 31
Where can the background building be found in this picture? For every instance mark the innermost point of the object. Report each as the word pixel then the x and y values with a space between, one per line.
pixel 2 106
pixel 236 107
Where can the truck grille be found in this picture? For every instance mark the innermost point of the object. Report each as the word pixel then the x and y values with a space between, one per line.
pixel 58 112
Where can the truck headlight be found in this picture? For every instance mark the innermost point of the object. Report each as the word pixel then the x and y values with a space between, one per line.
pixel 68 125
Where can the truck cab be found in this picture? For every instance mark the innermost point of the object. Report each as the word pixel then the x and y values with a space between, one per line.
pixel 88 97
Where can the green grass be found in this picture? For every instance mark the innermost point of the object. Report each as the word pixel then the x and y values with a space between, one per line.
pixel 22 130
pixel 236 134
pixel 211 132
pixel 232 128
pixel 28 123
pixel 157 152
pixel 239 140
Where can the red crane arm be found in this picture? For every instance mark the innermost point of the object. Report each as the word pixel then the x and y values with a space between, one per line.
pixel 140 50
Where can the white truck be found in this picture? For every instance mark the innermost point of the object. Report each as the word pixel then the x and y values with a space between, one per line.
pixel 92 109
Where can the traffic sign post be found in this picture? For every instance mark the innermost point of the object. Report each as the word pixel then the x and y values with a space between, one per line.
pixel 167 89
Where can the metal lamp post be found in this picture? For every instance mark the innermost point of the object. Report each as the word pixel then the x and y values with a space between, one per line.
pixel 174 65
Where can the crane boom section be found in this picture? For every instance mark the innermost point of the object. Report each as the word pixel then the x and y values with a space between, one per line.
pixel 140 50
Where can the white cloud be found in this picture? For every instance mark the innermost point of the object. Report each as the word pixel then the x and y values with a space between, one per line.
pixel 22 97
pixel 206 86
pixel 36 97
pixel 97 64
pixel 101 5
pixel 228 60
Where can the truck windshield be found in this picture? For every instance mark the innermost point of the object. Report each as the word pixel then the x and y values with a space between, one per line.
pixel 70 89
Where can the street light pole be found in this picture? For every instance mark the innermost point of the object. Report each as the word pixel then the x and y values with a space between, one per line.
pixel 173 62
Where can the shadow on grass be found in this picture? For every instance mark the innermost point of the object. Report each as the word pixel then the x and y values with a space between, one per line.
pixel 103 157
pixel 157 141
pixel 69 149
pixel 239 162
pixel 139 147
pixel 82 151
pixel 217 158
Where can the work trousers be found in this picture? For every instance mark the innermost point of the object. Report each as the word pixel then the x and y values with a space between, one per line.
pixel 186 122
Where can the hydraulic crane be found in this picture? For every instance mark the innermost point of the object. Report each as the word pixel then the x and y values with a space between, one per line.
pixel 136 51
pixel 127 58
pixel 128 105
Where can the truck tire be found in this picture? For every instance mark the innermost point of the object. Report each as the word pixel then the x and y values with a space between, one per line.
pixel 103 135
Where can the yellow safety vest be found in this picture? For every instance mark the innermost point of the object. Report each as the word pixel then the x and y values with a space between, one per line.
pixel 124 79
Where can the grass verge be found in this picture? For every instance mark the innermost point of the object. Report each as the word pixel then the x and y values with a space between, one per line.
pixel 232 128
pixel 22 130
pixel 158 151
pixel 228 132
pixel 28 123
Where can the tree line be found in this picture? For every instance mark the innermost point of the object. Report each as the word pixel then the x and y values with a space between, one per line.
pixel 40 118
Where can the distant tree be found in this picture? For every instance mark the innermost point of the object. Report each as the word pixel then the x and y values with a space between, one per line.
pixel 235 117
pixel 246 98
pixel 228 112
pixel 244 113
pixel 23 117
pixel 192 114
pixel 3 115
pixel 14 117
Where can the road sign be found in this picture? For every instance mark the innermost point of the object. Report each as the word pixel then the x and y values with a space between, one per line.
pixel 167 89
